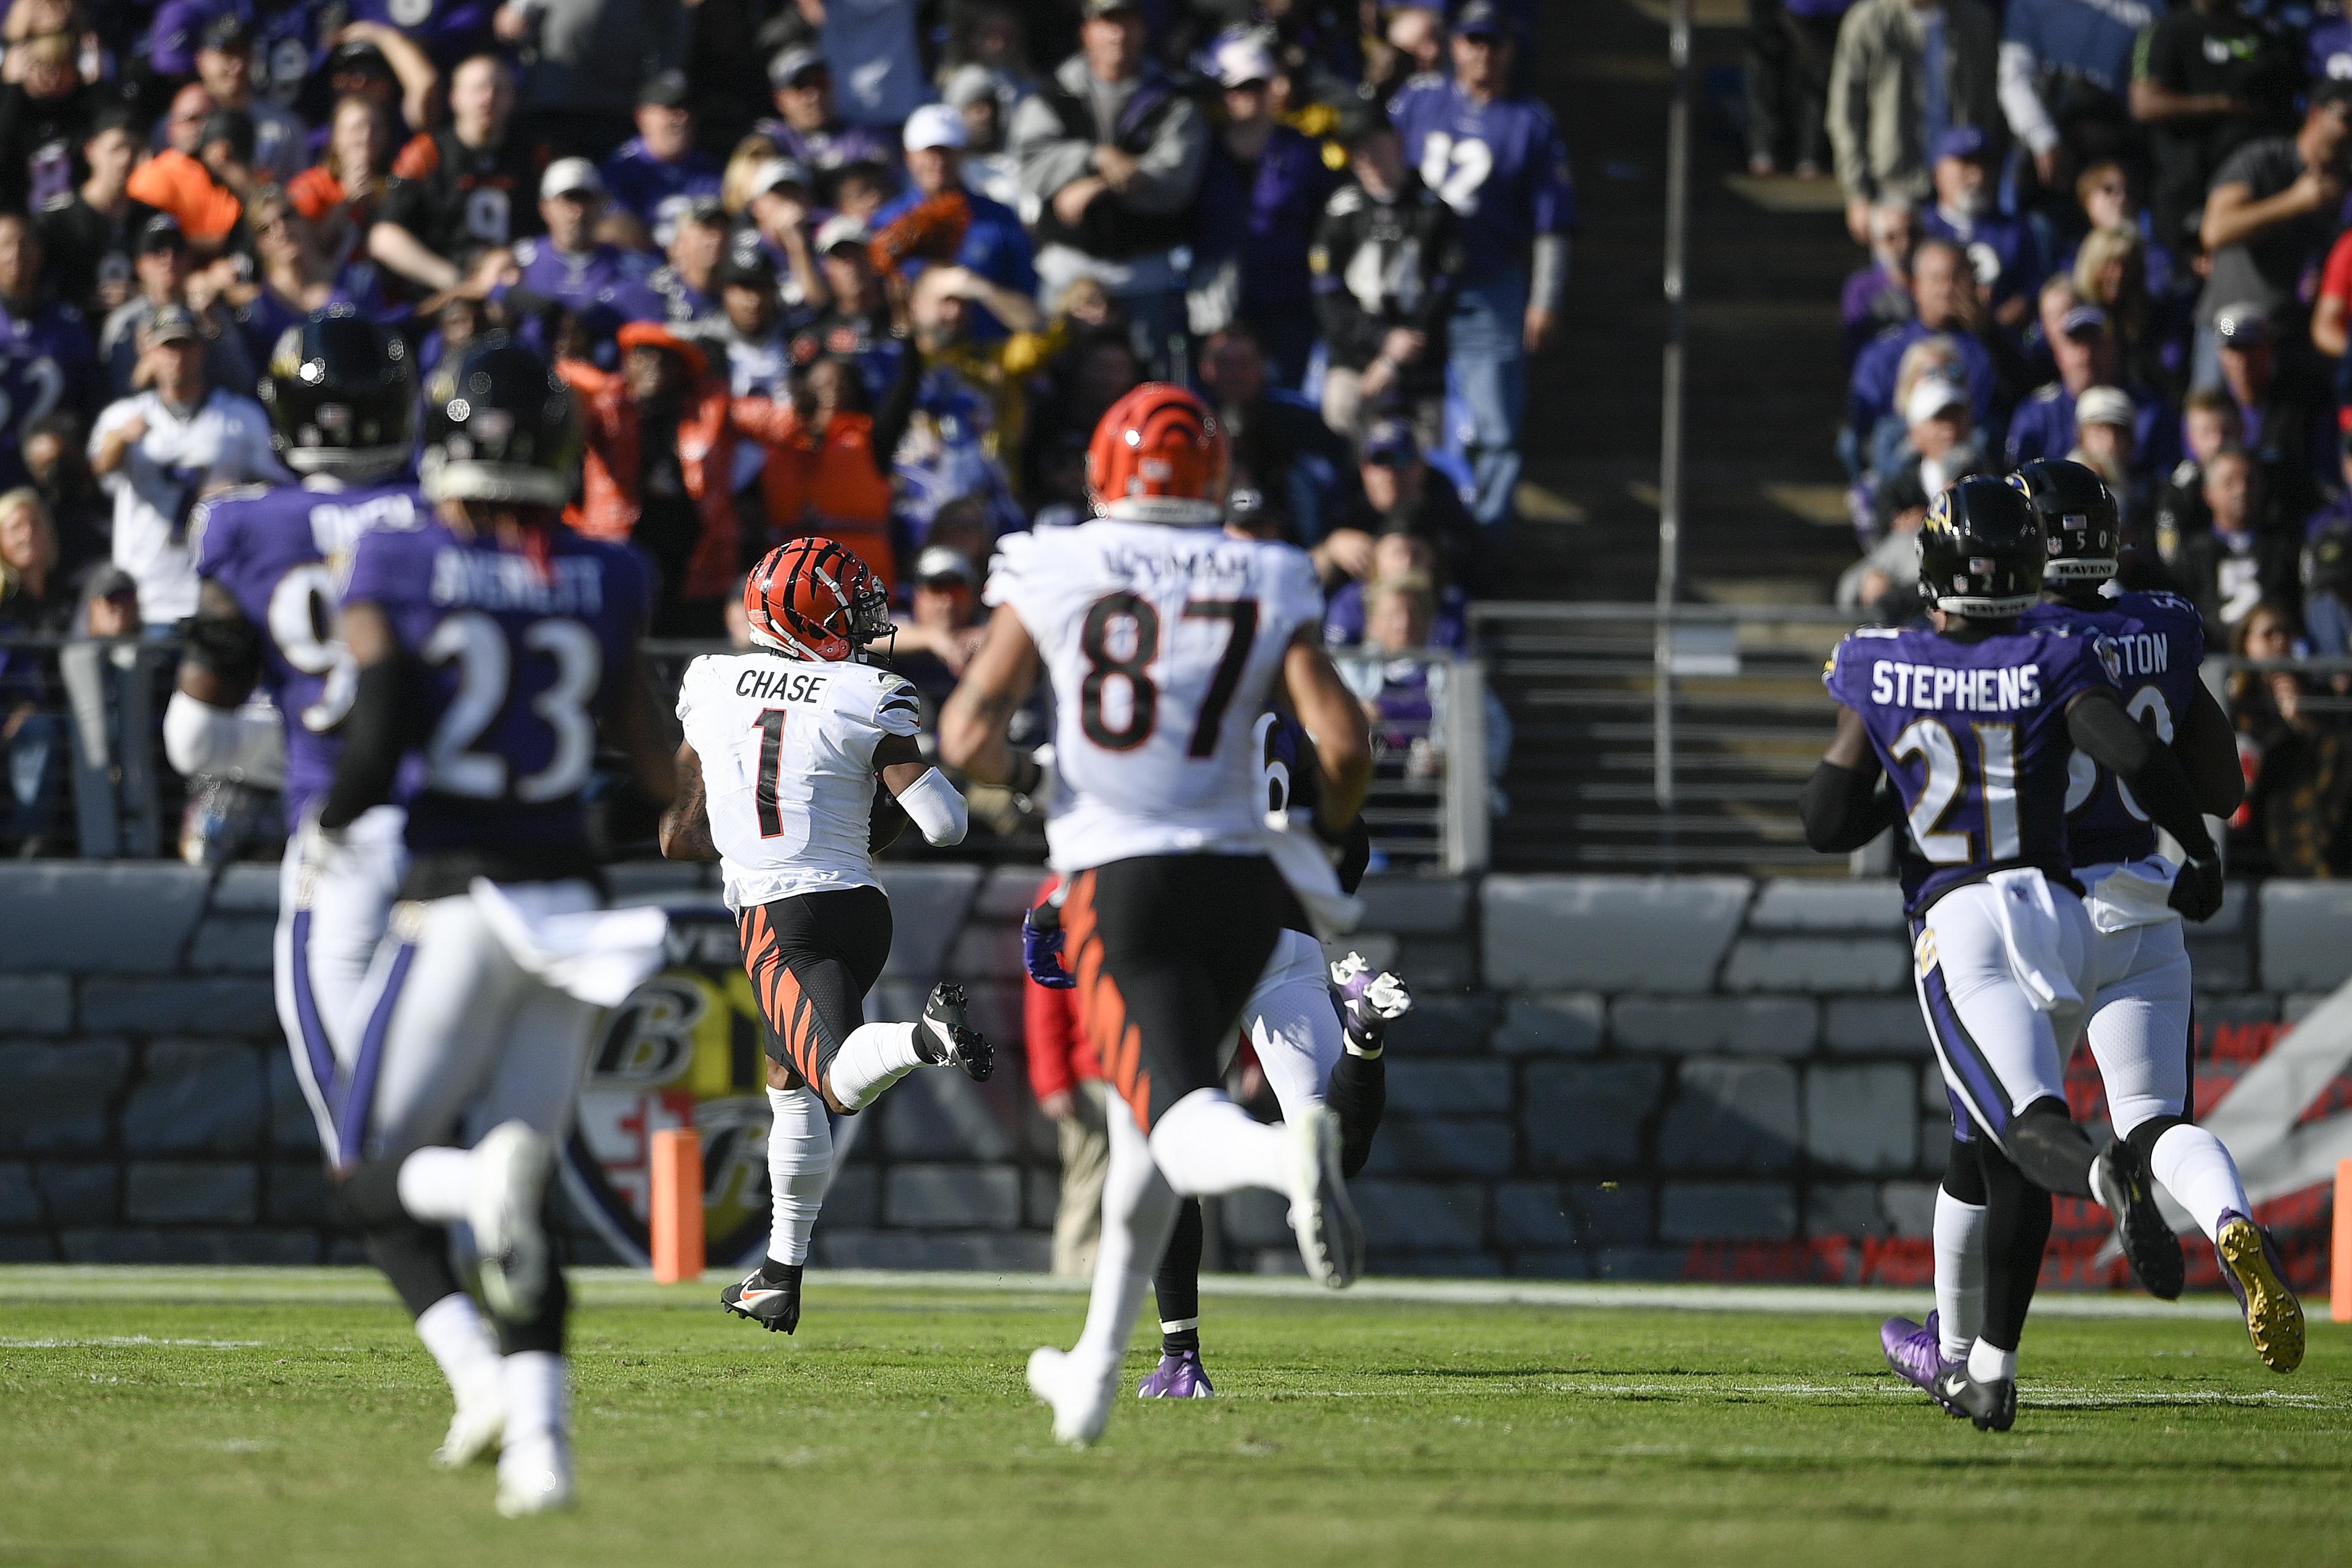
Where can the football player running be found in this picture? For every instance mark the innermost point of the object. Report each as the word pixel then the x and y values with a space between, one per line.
pixel 777 782
pixel 494 647
pixel 2138 962
pixel 272 562
pixel 1162 639
pixel 1318 1037
pixel 1975 721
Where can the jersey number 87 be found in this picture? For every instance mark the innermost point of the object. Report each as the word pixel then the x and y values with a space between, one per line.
pixel 1129 621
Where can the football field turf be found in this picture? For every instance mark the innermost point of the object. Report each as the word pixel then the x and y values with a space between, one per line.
pixel 260 1417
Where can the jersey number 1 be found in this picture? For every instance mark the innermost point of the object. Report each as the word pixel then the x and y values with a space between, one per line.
pixel 770 725
pixel 1134 668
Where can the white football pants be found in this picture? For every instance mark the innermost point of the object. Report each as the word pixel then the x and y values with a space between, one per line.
pixel 331 918
pixel 2138 981
pixel 1986 974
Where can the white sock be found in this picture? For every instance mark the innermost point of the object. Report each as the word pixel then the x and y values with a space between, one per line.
pixel 874 1057
pixel 1987 1365
pixel 436 1186
pixel 453 1329
pixel 800 1161
pixel 1139 1216
pixel 539 1396
pixel 2198 1171
pixel 1959 1273
pixel 1205 1144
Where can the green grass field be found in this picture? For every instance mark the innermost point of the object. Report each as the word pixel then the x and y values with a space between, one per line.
pixel 191 1416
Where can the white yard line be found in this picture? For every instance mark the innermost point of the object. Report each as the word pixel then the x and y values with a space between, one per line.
pixel 67 1284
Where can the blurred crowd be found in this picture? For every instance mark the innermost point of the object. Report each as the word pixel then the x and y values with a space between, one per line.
pixel 866 267
pixel 2117 231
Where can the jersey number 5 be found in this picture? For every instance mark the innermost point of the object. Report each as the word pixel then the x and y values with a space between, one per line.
pixel 1136 625
pixel 1948 778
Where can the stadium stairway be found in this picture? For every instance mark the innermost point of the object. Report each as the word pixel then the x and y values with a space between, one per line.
pixel 1764 519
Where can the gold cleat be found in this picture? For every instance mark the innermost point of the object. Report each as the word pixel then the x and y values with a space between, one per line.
pixel 2274 1317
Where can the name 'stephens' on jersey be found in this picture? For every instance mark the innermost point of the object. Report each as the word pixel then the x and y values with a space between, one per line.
pixel 2010 687
pixel 574 586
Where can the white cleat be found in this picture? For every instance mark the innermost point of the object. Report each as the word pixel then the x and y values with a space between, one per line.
pixel 1330 1240
pixel 511 1167
pixel 1081 1404
pixel 534 1478
pixel 473 1431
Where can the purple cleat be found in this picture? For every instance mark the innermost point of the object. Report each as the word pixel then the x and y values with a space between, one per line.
pixel 1915 1352
pixel 1178 1377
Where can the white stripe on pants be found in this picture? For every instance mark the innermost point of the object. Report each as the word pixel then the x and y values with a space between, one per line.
pixel 1998 1053
pixel 341 914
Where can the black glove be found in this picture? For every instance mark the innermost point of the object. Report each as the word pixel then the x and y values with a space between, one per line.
pixel 2196 890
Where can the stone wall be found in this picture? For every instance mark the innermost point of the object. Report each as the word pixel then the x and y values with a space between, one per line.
pixel 1619 1077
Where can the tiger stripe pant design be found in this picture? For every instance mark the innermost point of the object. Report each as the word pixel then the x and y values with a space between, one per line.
pixel 812 958
pixel 1166 949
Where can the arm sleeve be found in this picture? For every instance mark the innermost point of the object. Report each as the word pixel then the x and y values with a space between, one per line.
pixel 1167 176
pixel 937 808
pixel 1843 807
pixel 1048 159
pixel 2101 729
pixel 1849 111
pixel 371 756
pixel 2021 103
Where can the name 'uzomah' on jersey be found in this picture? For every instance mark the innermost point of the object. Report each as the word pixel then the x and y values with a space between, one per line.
pixel 282 553
pixel 787 749
pixel 516 659
pixel 2158 641
pixel 1161 644
pixel 1974 737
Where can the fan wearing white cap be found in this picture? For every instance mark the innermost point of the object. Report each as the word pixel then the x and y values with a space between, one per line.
pixel 567 266
pixel 2084 348
pixel 2105 427
pixel 995 245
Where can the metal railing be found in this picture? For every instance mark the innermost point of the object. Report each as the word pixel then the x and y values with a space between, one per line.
pixel 1680 742
pixel 99 787
pixel 1659 741
pixel 81 767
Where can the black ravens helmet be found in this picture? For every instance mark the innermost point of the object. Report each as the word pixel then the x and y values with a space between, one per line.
pixel 342 397
pixel 498 426
pixel 2080 527
pixel 1980 551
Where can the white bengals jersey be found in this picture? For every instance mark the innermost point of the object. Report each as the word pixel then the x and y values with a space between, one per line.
pixel 787 749
pixel 1161 644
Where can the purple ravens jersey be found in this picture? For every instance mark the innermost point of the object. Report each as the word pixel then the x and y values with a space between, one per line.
pixel 1974 737
pixel 1501 166
pixel 2158 640
pixel 516 658
pixel 281 553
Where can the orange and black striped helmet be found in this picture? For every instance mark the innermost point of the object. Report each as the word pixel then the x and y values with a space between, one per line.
pixel 813 599
pixel 1159 456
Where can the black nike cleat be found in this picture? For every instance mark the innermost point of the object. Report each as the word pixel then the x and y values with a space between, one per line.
pixel 2120 1176
pixel 774 1303
pixel 944 1038
pixel 1991 1405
